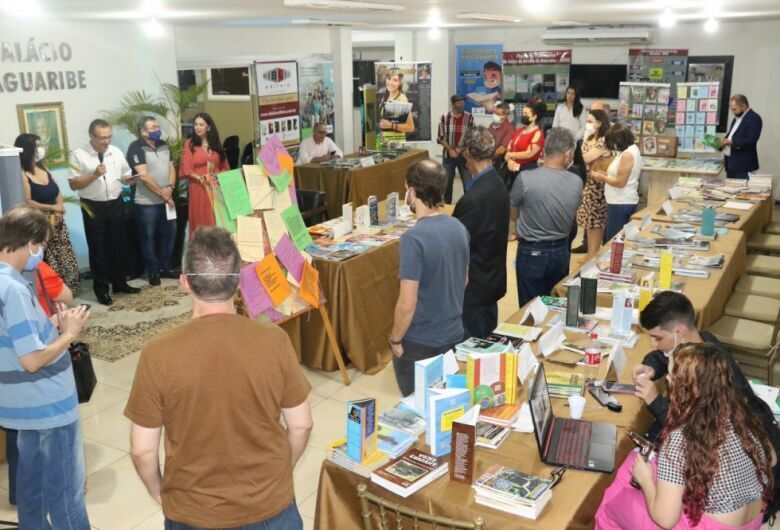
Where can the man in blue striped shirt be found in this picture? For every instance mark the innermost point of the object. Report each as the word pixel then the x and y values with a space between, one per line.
pixel 37 390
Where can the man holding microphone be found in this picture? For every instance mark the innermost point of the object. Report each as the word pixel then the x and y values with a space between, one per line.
pixel 98 171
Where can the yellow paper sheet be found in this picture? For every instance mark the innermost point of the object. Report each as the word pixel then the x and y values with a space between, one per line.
pixel 310 285
pixel 250 253
pixel 273 280
pixel 250 230
pixel 274 225
pixel 282 200
pixel 258 186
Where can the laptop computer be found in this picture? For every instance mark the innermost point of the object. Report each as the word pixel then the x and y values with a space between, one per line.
pixel 565 442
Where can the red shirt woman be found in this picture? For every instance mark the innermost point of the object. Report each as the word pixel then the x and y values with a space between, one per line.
pixel 527 144
pixel 201 158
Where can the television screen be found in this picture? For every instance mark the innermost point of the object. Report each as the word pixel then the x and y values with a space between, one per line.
pixel 597 80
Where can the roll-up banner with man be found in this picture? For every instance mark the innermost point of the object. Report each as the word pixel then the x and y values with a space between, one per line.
pixel 403 101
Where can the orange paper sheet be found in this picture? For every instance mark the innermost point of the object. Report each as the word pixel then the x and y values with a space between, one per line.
pixel 310 285
pixel 270 274
pixel 286 162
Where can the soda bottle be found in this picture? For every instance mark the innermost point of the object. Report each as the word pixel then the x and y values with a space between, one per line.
pixel 592 358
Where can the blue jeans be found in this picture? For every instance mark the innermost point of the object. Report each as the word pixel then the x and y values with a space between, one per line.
pixel 450 164
pixel 737 174
pixel 287 519
pixel 539 267
pixel 156 236
pixel 617 217
pixel 50 479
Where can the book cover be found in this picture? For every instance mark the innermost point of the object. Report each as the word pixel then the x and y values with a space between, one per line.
pixel 475 345
pixel 513 485
pixel 409 468
pixel 588 295
pixel 527 333
pixel 361 429
pixel 394 442
pixel 502 415
pixel 427 373
pixel 492 379
pixel 555 303
pixel 444 407
pixel 403 418
pixel 573 306
pixel 464 439
pixel 491 436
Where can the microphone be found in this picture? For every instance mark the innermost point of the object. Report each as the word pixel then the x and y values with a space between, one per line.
pixel 100 157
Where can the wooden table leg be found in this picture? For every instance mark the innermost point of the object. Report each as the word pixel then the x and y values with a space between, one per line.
pixel 334 345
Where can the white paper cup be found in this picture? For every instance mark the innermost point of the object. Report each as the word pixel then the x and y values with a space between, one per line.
pixel 576 406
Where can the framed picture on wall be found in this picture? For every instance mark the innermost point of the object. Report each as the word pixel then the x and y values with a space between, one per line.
pixel 703 68
pixel 46 120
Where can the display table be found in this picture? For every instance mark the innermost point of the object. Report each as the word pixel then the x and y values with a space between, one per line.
pixel 750 221
pixel 708 296
pixel 355 185
pixel 574 501
pixel 664 172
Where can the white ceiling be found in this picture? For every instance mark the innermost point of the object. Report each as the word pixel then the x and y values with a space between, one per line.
pixel 417 13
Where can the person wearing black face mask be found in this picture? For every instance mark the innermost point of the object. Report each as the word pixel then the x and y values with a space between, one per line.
pixel 742 139
pixel 150 159
pixel 526 145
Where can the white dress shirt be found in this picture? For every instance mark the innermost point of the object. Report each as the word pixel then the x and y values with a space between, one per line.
pixel 564 117
pixel 108 187
pixel 310 149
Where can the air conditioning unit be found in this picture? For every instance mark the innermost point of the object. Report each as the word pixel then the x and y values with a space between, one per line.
pixel 597 35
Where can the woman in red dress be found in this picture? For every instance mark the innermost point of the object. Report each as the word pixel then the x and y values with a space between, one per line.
pixel 526 145
pixel 201 158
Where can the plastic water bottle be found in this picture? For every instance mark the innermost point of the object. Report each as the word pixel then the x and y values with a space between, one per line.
pixel 592 358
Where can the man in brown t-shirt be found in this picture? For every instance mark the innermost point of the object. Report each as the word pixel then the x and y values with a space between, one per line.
pixel 219 384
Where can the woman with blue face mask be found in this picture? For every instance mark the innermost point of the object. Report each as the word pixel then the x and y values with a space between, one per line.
pixel 43 194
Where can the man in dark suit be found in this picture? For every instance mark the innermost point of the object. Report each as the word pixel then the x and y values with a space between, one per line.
pixel 484 211
pixel 742 139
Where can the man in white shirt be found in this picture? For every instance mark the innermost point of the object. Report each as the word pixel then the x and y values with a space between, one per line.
pixel 98 171
pixel 318 148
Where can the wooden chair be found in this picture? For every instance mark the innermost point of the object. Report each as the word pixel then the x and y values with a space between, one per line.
pixel 390 509
pixel 313 206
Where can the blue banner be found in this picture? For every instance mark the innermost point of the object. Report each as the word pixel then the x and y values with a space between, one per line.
pixel 479 75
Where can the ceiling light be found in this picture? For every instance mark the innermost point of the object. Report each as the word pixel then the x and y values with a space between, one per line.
pixel 151 8
pixel 434 33
pixel 711 25
pixel 154 29
pixel 321 22
pixel 343 4
pixel 488 17
pixel 667 19
pixel 27 9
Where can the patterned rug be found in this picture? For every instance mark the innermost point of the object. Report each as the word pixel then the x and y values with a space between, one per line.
pixel 123 328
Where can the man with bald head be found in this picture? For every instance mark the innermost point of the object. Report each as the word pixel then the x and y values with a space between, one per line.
pixel 600 104
pixel 741 142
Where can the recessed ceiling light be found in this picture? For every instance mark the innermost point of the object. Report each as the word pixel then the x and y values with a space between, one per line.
pixel 667 19
pixel 711 25
pixel 343 4
pixel 491 17
pixel 153 28
pixel 321 22
pixel 434 33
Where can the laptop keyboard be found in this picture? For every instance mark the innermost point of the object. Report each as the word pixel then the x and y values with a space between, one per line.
pixel 573 443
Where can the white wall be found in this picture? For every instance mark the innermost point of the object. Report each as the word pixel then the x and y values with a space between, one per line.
pixel 116 57
pixel 754 46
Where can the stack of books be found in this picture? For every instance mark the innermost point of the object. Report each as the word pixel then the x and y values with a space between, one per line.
pixel 564 384
pixel 475 346
pixel 511 491
pixel 337 453
pixel 402 418
pixel 504 415
pixel 410 472
pixel 394 443
pixel 518 331
pixel 491 436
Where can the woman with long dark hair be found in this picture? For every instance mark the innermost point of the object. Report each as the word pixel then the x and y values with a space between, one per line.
pixel 525 147
pixel 571 115
pixel 42 193
pixel 201 159
pixel 394 91
pixel 714 466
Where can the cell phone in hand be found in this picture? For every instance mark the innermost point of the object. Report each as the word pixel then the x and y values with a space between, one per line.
pixel 646 447
pixel 86 306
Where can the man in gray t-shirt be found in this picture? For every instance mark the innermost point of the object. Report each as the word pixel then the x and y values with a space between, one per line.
pixel 434 261
pixel 547 199
pixel 150 159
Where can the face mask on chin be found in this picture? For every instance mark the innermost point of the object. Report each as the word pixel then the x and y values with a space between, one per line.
pixel 589 130
pixel 409 204
pixel 497 119
pixel 40 153
pixel 669 353
pixel 34 259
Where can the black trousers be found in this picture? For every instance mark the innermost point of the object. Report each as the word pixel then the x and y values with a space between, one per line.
pixel 106 234
pixel 404 365
pixel 480 321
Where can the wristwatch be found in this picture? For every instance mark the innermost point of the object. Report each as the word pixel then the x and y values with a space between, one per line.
pixel 393 342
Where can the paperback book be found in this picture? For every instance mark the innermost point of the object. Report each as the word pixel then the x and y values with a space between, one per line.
pixel 511 491
pixel 444 406
pixel 337 453
pixel 492 436
pixel 409 472
pixel 403 418
pixel 492 379
pixel 361 429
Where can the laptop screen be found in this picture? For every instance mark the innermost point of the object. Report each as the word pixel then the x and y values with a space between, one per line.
pixel 541 408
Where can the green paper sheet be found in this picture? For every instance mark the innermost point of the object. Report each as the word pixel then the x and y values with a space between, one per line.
pixel 221 215
pixel 235 194
pixel 296 227
pixel 281 181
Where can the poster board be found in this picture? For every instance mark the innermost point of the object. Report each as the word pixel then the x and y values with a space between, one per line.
pixel 710 68
pixel 278 108
pixel 696 114
pixel 651 65
pixel 316 94
pixel 540 75
pixel 644 107
pixel 479 76
pixel 403 100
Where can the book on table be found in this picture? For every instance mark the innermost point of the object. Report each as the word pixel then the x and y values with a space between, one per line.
pixel 503 415
pixel 464 440
pixel 393 442
pixel 490 435
pixel 476 346
pixel 492 379
pixel 518 331
pixel 565 384
pixel 410 472
pixel 403 418
pixel 428 373
pixel 337 453
pixel 361 428
pixel 511 491
pixel 444 406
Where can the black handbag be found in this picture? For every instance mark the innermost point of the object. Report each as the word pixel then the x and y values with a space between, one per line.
pixel 80 358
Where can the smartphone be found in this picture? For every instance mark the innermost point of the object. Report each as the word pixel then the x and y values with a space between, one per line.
pixel 618 388
pixel 86 306
pixel 646 447
pixel 605 399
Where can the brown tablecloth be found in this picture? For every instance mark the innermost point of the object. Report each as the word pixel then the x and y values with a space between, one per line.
pixel 708 296
pixel 355 185
pixel 574 500
pixel 750 221
pixel 361 293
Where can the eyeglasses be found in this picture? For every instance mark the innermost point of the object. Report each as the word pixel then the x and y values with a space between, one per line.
pixel 556 475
